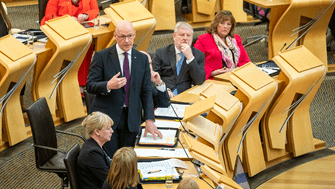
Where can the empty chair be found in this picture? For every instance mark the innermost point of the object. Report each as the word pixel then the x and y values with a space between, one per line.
pixel 70 162
pixel 47 156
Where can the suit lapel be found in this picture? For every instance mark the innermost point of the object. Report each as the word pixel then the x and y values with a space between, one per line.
pixel 133 68
pixel 172 59
pixel 115 60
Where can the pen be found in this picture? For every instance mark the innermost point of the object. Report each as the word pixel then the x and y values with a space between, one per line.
pixel 150 172
pixel 169 149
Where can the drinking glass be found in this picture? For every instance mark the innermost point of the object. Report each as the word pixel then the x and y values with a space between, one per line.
pixel 30 39
pixel 97 22
pixel 169 179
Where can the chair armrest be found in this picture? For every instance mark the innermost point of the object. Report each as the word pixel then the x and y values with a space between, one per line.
pixel 49 148
pixel 72 134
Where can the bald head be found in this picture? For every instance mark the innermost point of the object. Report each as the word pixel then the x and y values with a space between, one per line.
pixel 123 25
pixel 124 35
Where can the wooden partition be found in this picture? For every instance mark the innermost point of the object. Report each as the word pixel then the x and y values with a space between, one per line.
pixel 16 61
pixel 307 20
pixel 286 125
pixel 255 90
pixel 56 78
pixel 143 21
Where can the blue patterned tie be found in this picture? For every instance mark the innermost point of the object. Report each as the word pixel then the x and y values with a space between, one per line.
pixel 127 75
pixel 179 64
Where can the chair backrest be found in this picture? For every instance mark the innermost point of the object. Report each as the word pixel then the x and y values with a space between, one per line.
pixel 43 130
pixel 42 5
pixel 88 100
pixel 70 162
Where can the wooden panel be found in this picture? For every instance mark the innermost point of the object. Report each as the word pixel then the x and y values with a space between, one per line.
pixel 253 76
pixel 9 47
pixel 199 108
pixel 308 61
pixel 131 10
pixel 72 29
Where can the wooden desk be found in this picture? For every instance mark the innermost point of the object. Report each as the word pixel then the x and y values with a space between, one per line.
pixel 188 173
pixel 278 7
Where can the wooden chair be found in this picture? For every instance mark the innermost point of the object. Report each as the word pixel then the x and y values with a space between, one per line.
pixel 56 78
pixel 16 61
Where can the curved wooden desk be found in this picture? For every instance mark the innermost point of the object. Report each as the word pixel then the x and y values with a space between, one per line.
pixel 298 66
pixel 255 90
pixel 16 61
pixel 69 42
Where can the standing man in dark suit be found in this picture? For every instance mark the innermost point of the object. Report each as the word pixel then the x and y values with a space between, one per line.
pixel 119 76
pixel 180 65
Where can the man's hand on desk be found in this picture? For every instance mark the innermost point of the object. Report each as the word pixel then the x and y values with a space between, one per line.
pixel 150 127
pixel 115 82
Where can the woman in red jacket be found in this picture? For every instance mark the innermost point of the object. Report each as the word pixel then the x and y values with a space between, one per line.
pixel 222 47
pixel 80 10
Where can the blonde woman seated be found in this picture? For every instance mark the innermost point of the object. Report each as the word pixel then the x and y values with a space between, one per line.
pixel 93 163
pixel 222 47
pixel 188 183
pixel 123 172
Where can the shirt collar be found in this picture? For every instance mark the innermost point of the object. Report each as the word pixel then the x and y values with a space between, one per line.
pixel 177 51
pixel 120 51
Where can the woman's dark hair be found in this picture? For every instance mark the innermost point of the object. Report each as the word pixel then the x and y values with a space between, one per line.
pixel 220 17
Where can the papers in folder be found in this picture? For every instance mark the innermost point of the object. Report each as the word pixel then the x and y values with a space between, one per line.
pixel 168 138
pixel 169 113
pixel 159 170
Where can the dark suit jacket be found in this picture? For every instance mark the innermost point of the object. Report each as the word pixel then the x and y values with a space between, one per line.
pixel 164 62
pixel 92 165
pixel 104 66
pixel 161 99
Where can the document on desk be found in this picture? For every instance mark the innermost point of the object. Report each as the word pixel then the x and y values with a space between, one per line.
pixel 160 169
pixel 169 113
pixel 163 152
pixel 167 124
pixel 168 138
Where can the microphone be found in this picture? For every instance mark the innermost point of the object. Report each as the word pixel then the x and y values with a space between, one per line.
pixel 198 163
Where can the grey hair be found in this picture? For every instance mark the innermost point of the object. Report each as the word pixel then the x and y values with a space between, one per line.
pixel 182 25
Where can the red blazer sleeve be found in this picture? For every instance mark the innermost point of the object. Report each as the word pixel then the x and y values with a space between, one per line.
pixel 90 7
pixel 213 60
pixel 50 11
pixel 244 58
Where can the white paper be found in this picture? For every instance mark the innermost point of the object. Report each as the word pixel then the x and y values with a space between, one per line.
pixel 167 124
pixel 168 112
pixel 176 153
pixel 168 138
pixel 161 168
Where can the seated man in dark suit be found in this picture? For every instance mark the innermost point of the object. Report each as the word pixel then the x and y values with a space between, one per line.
pixel 159 93
pixel 180 65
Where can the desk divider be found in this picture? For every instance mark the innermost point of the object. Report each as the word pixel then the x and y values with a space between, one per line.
pixel 58 80
pixel 16 61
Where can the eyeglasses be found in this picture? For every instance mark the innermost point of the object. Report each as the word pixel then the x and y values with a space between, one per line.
pixel 123 37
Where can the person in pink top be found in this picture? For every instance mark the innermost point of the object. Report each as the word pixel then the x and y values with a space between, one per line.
pixel 222 47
